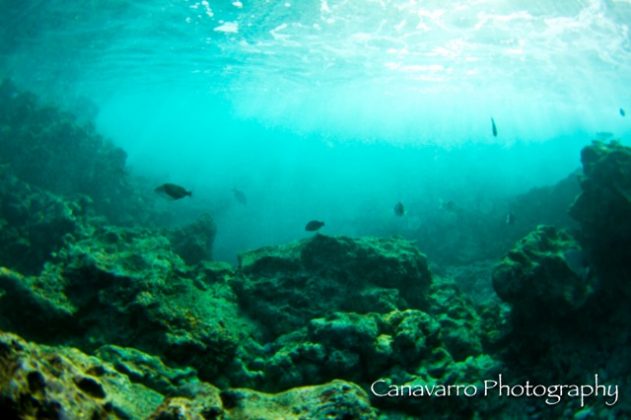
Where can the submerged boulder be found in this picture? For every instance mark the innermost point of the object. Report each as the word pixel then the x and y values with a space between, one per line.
pixel 545 274
pixel 284 287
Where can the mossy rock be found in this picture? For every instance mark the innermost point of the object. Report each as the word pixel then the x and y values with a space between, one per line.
pixel 284 287
pixel 543 274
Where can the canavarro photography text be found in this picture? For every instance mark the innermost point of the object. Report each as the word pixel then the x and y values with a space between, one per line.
pixel 552 394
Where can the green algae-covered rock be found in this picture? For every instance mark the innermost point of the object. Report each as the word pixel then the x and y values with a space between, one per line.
pixel 33 224
pixel 127 287
pixel 63 383
pixel 147 369
pixel 603 210
pixel 134 291
pixel 284 287
pixel 50 149
pixel 33 307
pixel 362 347
pixel 334 400
pixel 194 242
pixel 544 272
pixel 461 329
pixel 205 404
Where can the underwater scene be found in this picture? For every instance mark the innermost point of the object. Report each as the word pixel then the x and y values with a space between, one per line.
pixel 315 209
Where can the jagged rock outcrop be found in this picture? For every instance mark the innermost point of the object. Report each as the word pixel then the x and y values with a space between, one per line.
pixel 34 223
pixel 63 383
pixel 47 148
pixel 194 242
pixel 545 274
pixel 603 210
pixel 284 287
pixel 127 287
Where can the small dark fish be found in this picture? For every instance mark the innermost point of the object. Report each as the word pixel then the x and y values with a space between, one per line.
pixel 399 209
pixel 510 218
pixel 622 113
pixel 174 191
pixel 313 225
pixel 240 196
pixel 493 127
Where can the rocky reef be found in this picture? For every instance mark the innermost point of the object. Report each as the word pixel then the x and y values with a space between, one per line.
pixel 34 223
pixel 603 210
pixel 123 292
pixel 286 286
pixel 61 382
pixel 126 286
pixel 104 318
pixel 568 293
pixel 545 269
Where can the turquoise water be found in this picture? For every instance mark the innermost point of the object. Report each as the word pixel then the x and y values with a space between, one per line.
pixel 332 110
pixel 165 166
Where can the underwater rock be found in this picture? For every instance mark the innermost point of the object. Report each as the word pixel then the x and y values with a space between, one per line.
pixel 547 205
pixel 362 347
pixel 283 287
pixel 194 242
pixel 334 400
pixel 337 399
pixel 60 382
pixel 57 383
pixel 33 224
pixel 148 370
pixel 126 287
pixel 33 307
pixel 50 149
pixel 461 330
pixel 538 279
pixel 206 404
pixel 603 210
